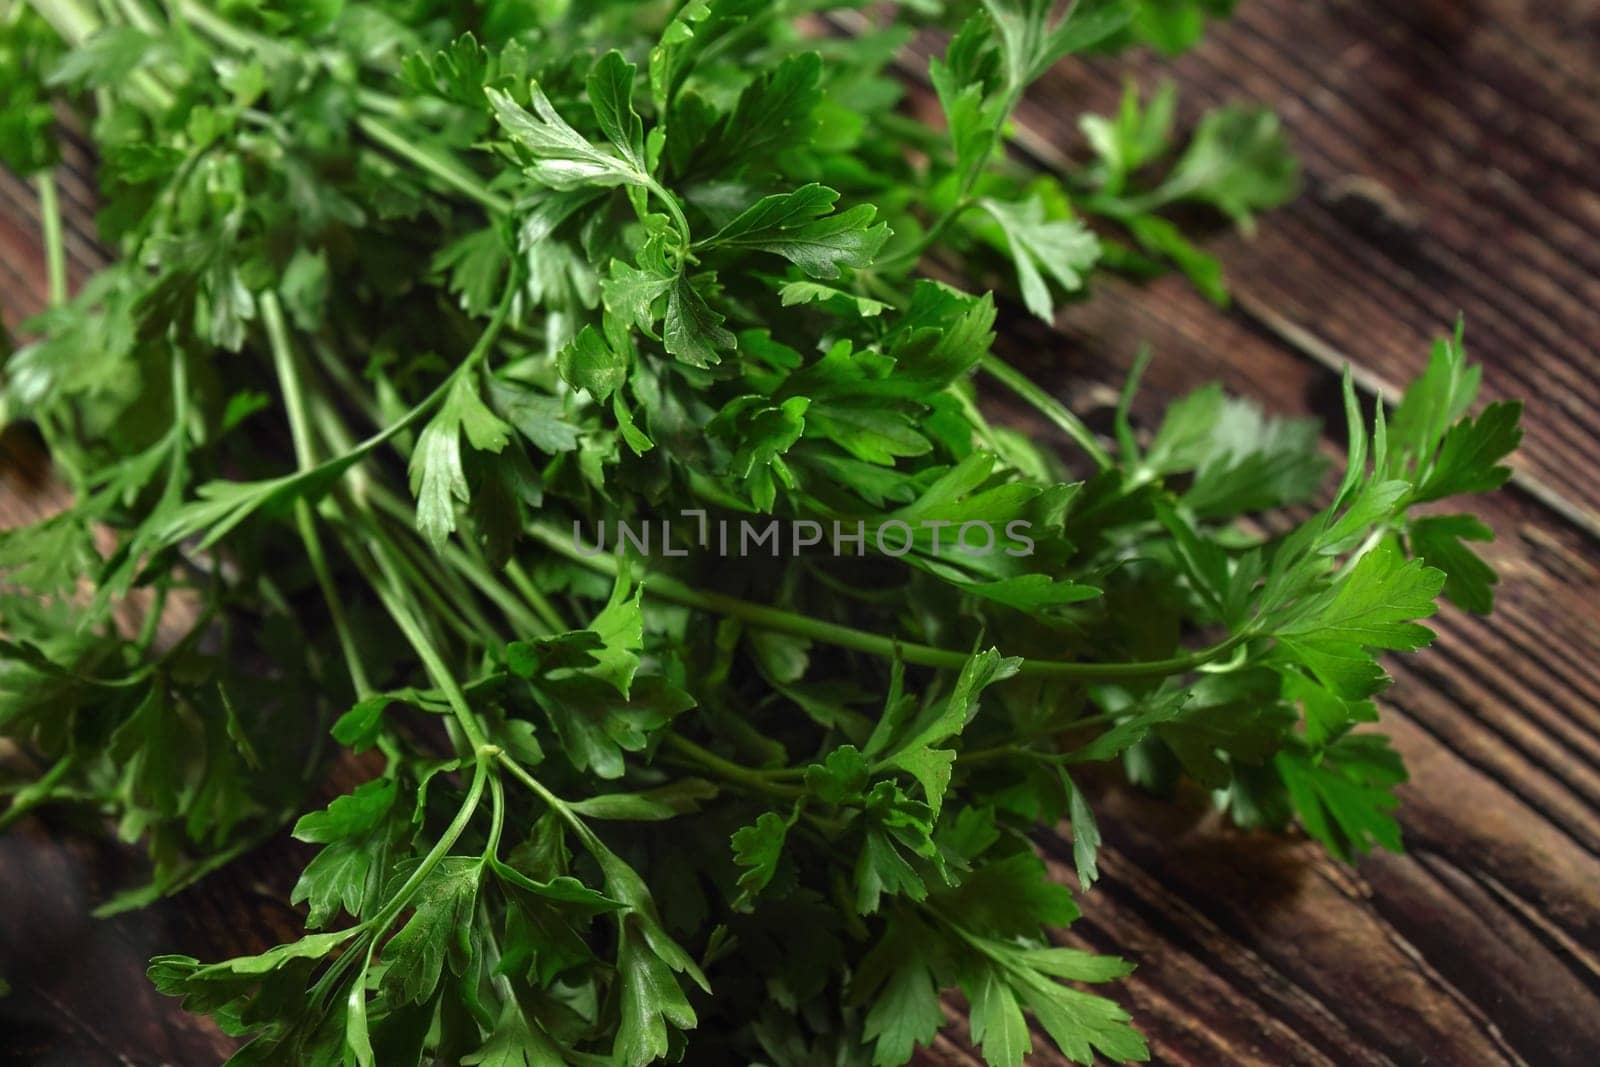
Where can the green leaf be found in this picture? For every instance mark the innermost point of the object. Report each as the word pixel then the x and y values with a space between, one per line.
pixel 437 477
pixel 1082 1024
pixel 1433 402
pixel 1032 41
pixel 898 852
pixel 794 293
pixel 348 815
pixel 1010 897
pixel 775 111
pixel 757 849
pixel 1242 459
pixel 631 292
pixel 1238 162
pixel 514 1043
pixel 1373 606
pixel 562 158
pixel 652 805
pixel 1469 458
pixel 652 999
pixel 946 719
pixel 1440 541
pixel 1175 26
pixel 440 927
pixel 543 419
pixel 588 362
pixel 799 227
pixel 610 87
pixel 962 80
pixel 1136 136
pixel 843 775
pixel 107 57
pixel 1343 794
pixel 1063 248
pixel 901 977
pixel 597 726
pixel 696 26
pixel 476 264
pixel 998 1025
pixel 1085 837
pixel 1162 239
pixel 620 627
pixel 346 875
pixel 694 332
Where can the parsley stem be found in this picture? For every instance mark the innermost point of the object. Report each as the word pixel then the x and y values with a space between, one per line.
pixel 765 617
pixel 55 253
pixel 437 588
pixel 538 601
pixel 447 170
pixel 392 908
pixel 497 792
pixel 1018 746
pixel 300 432
pixel 38 791
pixel 224 32
pixel 441 848
pixel 474 568
pixel 76 23
pixel 342 463
pixel 1049 407
pixel 734 772
pixel 666 196
pixel 556 804
pixel 418 638
pixel 68 18
pixel 910 255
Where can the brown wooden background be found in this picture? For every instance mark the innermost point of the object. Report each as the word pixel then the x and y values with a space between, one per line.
pixel 1451 149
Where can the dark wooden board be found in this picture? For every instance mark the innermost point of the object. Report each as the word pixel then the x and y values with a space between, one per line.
pixel 1449 150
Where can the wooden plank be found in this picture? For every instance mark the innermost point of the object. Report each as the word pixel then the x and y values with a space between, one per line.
pixel 79 993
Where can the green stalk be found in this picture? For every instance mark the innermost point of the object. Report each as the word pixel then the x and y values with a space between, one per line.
pixel 441 847
pixel 300 432
pixel 734 772
pixel 76 23
pixel 539 602
pixel 765 617
pixel 55 251
pixel 497 817
pixel 1049 407
pixel 346 460
pixel 667 198
pixel 447 170
pixel 556 804
pixel 380 922
pixel 477 571
pixel 440 587
pixel 201 18
pixel 69 18
pixel 910 256
pixel 36 792
pixel 419 641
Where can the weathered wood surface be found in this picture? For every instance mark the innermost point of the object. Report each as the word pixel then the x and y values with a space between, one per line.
pixel 1449 150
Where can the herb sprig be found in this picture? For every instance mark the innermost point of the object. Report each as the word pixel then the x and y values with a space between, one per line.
pixel 405 296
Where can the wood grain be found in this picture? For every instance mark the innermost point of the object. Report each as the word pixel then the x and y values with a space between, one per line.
pixel 1449 152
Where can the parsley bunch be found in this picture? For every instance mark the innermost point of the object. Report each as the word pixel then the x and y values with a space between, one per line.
pixel 409 294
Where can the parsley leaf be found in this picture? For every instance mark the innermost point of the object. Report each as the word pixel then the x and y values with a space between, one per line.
pixel 798 226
